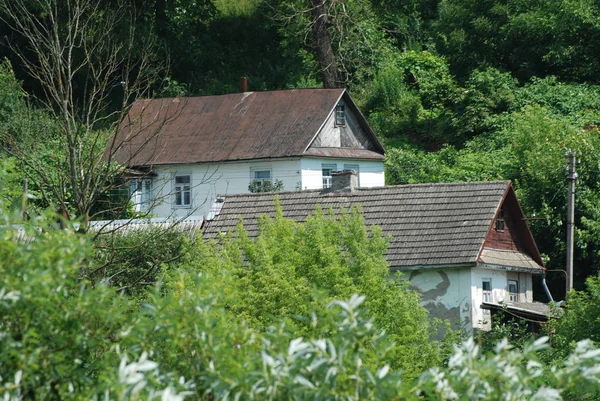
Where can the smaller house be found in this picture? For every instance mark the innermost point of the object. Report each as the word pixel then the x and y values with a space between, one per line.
pixel 187 150
pixel 461 245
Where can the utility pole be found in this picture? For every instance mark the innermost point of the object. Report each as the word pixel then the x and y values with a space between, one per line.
pixel 24 200
pixel 570 220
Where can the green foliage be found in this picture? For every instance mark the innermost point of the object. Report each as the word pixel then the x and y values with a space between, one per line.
pixel 294 269
pixel 23 127
pixel 265 186
pixel 512 374
pixel 11 185
pixel 130 259
pixel 506 326
pixel 486 93
pixel 410 96
pixel 63 338
pixel 54 328
pixel 580 318
pixel 528 38
pixel 11 95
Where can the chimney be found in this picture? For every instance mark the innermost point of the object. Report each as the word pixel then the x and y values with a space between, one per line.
pixel 343 181
pixel 244 84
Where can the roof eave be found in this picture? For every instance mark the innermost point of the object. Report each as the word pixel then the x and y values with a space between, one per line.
pixel 532 270
pixel 433 267
pixel 527 313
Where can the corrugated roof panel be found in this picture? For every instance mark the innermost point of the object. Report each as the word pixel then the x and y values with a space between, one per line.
pixel 238 126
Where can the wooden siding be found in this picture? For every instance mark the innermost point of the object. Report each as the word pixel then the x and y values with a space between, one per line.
pixel 507 238
pixel 351 135
pixel 516 235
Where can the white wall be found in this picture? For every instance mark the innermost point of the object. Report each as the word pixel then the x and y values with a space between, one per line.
pixel 446 294
pixel 481 318
pixel 456 294
pixel 499 284
pixel 370 173
pixel 208 181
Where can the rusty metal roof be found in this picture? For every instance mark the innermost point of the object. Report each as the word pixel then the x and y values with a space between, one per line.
pixel 343 153
pixel 239 126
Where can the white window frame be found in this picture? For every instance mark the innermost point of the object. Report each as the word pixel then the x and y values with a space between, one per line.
pixel 487 295
pixel 141 193
pixel 513 296
pixel 356 168
pixel 339 115
pixel 255 170
pixel 180 188
pixel 328 179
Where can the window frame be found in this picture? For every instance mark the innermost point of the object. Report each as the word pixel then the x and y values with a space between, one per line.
pixel 513 296
pixel 500 221
pixel 183 191
pixel 486 295
pixel 255 170
pixel 141 193
pixel 339 115
pixel 328 179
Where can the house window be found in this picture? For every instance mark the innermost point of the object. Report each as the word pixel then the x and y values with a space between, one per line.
pixel 513 290
pixel 340 115
pixel 500 221
pixel 260 180
pixel 486 287
pixel 327 169
pixel 141 194
pixel 183 190
pixel 355 168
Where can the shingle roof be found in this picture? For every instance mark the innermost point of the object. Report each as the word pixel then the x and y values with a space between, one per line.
pixel 430 224
pixel 507 258
pixel 238 126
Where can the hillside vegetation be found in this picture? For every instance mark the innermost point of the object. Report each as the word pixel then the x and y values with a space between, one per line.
pixel 457 90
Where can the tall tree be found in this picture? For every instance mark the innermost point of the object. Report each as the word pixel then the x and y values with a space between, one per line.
pixel 343 36
pixel 90 66
pixel 320 26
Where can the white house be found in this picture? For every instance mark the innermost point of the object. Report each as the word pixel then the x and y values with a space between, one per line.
pixel 465 247
pixel 191 149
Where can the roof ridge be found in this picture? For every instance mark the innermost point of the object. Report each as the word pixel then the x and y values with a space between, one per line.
pixel 241 93
pixel 366 189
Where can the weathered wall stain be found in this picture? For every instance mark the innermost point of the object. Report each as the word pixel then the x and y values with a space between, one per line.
pixel 439 301
pixel 439 290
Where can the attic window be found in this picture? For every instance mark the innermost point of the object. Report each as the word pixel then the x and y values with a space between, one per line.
pixel 340 115
pixel 500 221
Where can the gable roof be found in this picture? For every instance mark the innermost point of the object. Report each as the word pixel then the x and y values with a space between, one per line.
pixel 238 126
pixel 436 225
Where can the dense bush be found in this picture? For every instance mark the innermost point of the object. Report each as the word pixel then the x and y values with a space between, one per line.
pixel 131 258
pixel 292 270
pixel 62 338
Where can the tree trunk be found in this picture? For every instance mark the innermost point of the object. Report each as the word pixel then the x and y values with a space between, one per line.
pixel 322 41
